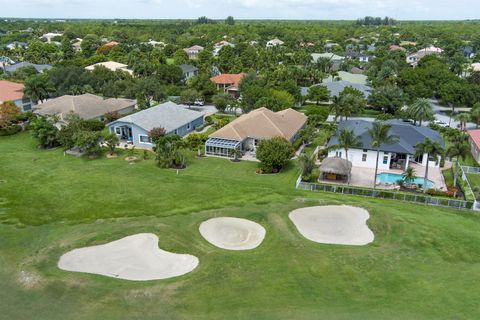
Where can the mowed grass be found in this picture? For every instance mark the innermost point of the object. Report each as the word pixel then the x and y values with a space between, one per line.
pixel 423 264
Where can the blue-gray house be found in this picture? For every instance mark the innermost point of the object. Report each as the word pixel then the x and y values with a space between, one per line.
pixel 174 118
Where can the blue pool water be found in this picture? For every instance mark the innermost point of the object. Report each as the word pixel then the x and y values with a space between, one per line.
pixel 394 177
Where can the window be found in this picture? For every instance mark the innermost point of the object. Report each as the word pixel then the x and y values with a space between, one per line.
pixel 176 131
pixel 338 154
pixel 27 107
pixel 385 160
pixel 364 157
pixel 365 150
pixel 144 138
pixel 189 126
pixel 117 130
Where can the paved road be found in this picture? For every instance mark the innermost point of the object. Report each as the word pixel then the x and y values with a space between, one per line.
pixel 442 116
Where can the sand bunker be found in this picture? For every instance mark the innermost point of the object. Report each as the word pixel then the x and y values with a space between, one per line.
pixel 232 233
pixel 134 257
pixel 333 224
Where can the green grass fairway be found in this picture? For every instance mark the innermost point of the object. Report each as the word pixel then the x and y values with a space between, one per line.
pixel 423 264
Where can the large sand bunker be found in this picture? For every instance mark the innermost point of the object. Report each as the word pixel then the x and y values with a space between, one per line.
pixel 135 257
pixel 232 233
pixel 333 224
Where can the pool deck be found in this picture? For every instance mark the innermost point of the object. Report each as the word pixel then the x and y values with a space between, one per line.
pixel 363 177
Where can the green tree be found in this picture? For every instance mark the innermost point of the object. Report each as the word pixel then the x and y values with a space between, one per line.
pixel 230 21
pixel 111 140
pixel 222 101
pixel 46 132
pixel 433 150
pixel 171 152
pixel 463 118
pixel 274 154
pixel 388 98
pixel 38 87
pixel 189 96
pixel 409 176
pixel 421 110
pixel 475 114
pixel 90 44
pixel 307 165
pixel 318 93
pixel 458 151
pixel 380 134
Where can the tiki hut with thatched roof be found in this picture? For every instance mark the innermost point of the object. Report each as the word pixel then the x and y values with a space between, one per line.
pixel 335 169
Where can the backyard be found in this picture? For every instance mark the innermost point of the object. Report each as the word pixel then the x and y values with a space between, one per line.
pixel 422 264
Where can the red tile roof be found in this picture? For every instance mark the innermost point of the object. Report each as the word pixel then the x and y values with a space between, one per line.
pixel 228 79
pixel 10 91
pixel 475 136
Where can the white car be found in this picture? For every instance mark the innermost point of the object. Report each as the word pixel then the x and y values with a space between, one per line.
pixel 441 123
pixel 199 102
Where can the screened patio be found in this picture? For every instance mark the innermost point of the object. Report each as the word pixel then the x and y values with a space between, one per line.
pixel 221 147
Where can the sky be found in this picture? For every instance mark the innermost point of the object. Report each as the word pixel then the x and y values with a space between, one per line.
pixel 242 9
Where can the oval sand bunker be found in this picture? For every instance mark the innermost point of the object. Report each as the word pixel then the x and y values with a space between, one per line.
pixel 232 233
pixel 333 224
pixel 135 257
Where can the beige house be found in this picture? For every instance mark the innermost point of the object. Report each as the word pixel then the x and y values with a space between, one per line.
pixel 87 106
pixel 245 132
pixel 193 51
pixel 110 65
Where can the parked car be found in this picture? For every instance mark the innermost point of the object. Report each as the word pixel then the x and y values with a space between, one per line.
pixel 199 102
pixel 441 123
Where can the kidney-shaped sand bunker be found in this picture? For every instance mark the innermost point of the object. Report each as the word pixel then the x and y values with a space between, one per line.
pixel 135 257
pixel 232 233
pixel 333 224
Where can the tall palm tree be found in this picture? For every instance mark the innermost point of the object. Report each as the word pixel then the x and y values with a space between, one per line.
pixel 458 151
pixel 336 107
pixel 463 118
pixel 432 149
pixel 421 110
pixel 380 134
pixel 409 176
pixel 347 140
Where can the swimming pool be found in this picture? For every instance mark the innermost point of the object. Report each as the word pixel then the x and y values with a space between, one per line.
pixel 392 178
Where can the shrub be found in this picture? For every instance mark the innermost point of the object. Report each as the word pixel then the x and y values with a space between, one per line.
pixel 274 154
pixel 208 120
pixel 156 133
pixel 10 130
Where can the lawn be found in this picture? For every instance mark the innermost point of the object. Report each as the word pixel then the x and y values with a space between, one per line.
pixel 423 264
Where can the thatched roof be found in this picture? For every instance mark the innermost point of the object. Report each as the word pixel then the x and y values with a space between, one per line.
pixel 336 165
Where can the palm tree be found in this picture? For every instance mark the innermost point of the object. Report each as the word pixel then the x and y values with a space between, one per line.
pixel 336 107
pixel 235 154
pixel 333 74
pixel 307 164
pixel 38 87
pixel 379 132
pixel 432 149
pixel 458 151
pixel 421 110
pixel 463 118
pixel 409 176
pixel 347 140
pixel 475 114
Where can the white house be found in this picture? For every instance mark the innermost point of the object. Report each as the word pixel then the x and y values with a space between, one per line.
pixel 49 36
pixel 219 45
pixel 274 43
pixel 393 156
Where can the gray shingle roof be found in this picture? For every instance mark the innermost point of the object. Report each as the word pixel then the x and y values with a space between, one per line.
pixel 38 67
pixel 188 68
pixel 336 87
pixel 168 115
pixel 408 134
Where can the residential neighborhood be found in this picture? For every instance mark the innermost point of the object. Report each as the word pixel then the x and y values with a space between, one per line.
pixel 296 160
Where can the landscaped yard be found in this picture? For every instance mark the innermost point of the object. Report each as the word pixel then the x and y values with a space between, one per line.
pixel 423 264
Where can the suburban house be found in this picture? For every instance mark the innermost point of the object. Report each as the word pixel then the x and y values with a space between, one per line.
pixel 156 44
pixel 468 52
pixel 5 61
pixel 174 118
pixel 245 132
pixel 395 47
pixel 336 87
pixel 107 47
pixel 229 83
pixel 49 36
pixel 327 55
pixel 110 65
pixel 358 56
pixel 77 44
pixel 188 71
pixel 474 141
pixel 17 45
pixel 414 58
pixel 193 51
pixel 12 91
pixel 274 43
pixel 39 67
pixel 87 106
pixel 393 156
pixel 219 45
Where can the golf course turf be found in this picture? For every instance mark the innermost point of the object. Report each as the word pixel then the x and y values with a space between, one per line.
pixel 423 264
